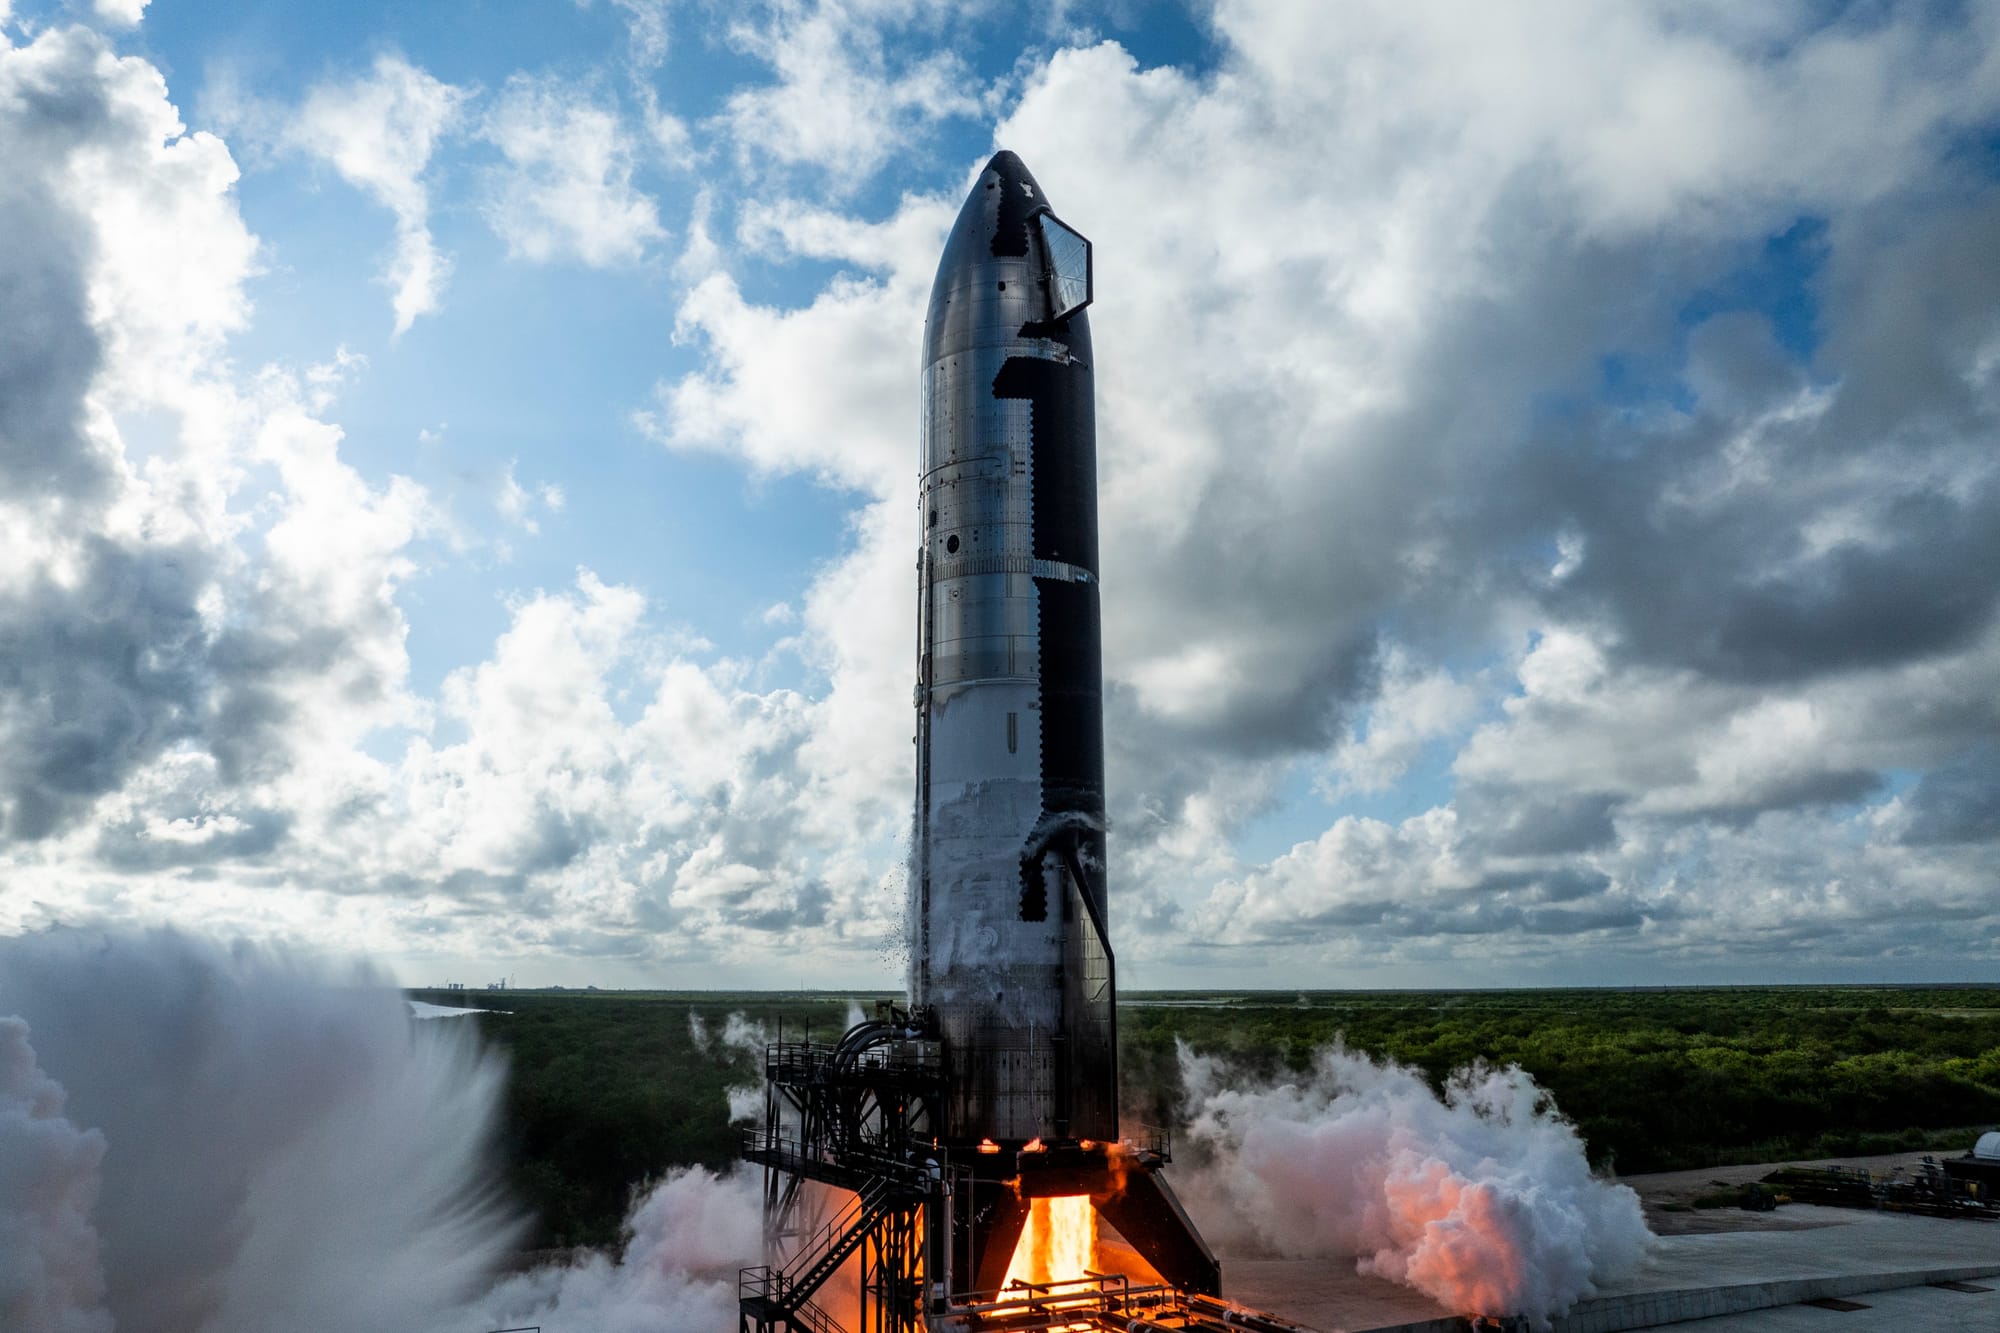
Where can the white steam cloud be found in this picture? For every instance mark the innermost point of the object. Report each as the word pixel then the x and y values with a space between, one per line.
pixel 1482 1200
pixel 196 1139
pixel 209 1140
pixel 746 1100
pixel 50 1278
pixel 684 1244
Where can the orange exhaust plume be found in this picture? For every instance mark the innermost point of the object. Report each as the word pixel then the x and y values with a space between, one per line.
pixel 988 1146
pixel 1059 1242
pixel 1035 1145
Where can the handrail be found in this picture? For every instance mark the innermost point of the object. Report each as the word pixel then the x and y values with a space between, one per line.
pixel 792 1286
pixel 832 1230
pixel 815 1056
pixel 818 1320
pixel 1157 1139
pixel 760 1143
pixel 836 1240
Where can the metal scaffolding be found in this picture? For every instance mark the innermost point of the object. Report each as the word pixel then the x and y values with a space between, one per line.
pixel 858 1115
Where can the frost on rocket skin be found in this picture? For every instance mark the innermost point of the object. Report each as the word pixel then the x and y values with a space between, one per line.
pixel 1482 1199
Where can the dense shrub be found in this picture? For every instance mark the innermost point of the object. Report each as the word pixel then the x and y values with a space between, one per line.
pixel 610 1089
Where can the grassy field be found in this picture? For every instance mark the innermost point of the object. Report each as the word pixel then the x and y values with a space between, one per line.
pixel 610 1089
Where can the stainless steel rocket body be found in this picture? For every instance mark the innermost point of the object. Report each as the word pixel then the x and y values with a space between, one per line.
pixel 1008 878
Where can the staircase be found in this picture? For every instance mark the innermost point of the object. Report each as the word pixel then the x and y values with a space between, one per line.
pixel 773 1299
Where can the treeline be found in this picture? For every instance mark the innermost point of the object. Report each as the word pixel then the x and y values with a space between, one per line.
pixel 611 1089
pixel 1654 1080
pixel 607 1090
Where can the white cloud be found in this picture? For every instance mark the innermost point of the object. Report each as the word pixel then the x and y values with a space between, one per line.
pixel 1362 492
pixel 842 102
pixel 565 191
pixel 117 13
pixel 517 503
pixel 1412 707
pixel 646 28
pixel 379 132
pixel 1337 281
pixel 227 597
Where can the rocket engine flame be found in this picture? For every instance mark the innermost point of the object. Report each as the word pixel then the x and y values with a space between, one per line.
pixel 1059 1242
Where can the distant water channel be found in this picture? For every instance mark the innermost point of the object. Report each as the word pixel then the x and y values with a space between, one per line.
pixel 420 1009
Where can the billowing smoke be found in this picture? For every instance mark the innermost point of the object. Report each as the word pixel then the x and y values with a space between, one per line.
pixel 198 1139
pixel 746 1100
pixel 1481 1199
pixel 50 1279
pixel 685 1242
pixel 204 1140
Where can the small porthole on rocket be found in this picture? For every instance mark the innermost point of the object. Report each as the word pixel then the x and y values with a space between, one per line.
pixel 933 519
pixel 951 544
pixel 1003 286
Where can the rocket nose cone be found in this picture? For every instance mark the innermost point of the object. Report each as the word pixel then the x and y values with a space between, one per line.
pixel 991 253
pixel 1008 167
pixel 994 220
pixel 1018 194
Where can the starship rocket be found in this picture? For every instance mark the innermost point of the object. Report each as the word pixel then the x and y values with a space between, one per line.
pixel 1010 949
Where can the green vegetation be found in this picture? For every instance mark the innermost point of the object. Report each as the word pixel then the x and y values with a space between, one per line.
pixel 610 1089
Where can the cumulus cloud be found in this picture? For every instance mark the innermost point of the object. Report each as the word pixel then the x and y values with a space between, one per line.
pixel 379 132
pixel 845 95
pixel 118 13
pixel 1411 708
pixel 646 28
pixel 518 504
pixel 207 672
pixel 1562 455
pixel 1375 482
pixel 163 644
pixel 565 190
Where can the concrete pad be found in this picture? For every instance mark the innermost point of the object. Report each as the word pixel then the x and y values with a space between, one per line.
pixel 1922 1309
pixel 1325 1294
pixel 1832 1252
pixel 1838 1242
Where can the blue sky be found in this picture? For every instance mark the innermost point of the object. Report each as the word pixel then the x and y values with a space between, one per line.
pixel 460 479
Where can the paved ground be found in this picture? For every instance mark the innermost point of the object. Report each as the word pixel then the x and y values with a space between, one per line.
pixel 1923 1309
pixel 1823 1242
pixel 1816 1250
pixel 1323 1294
